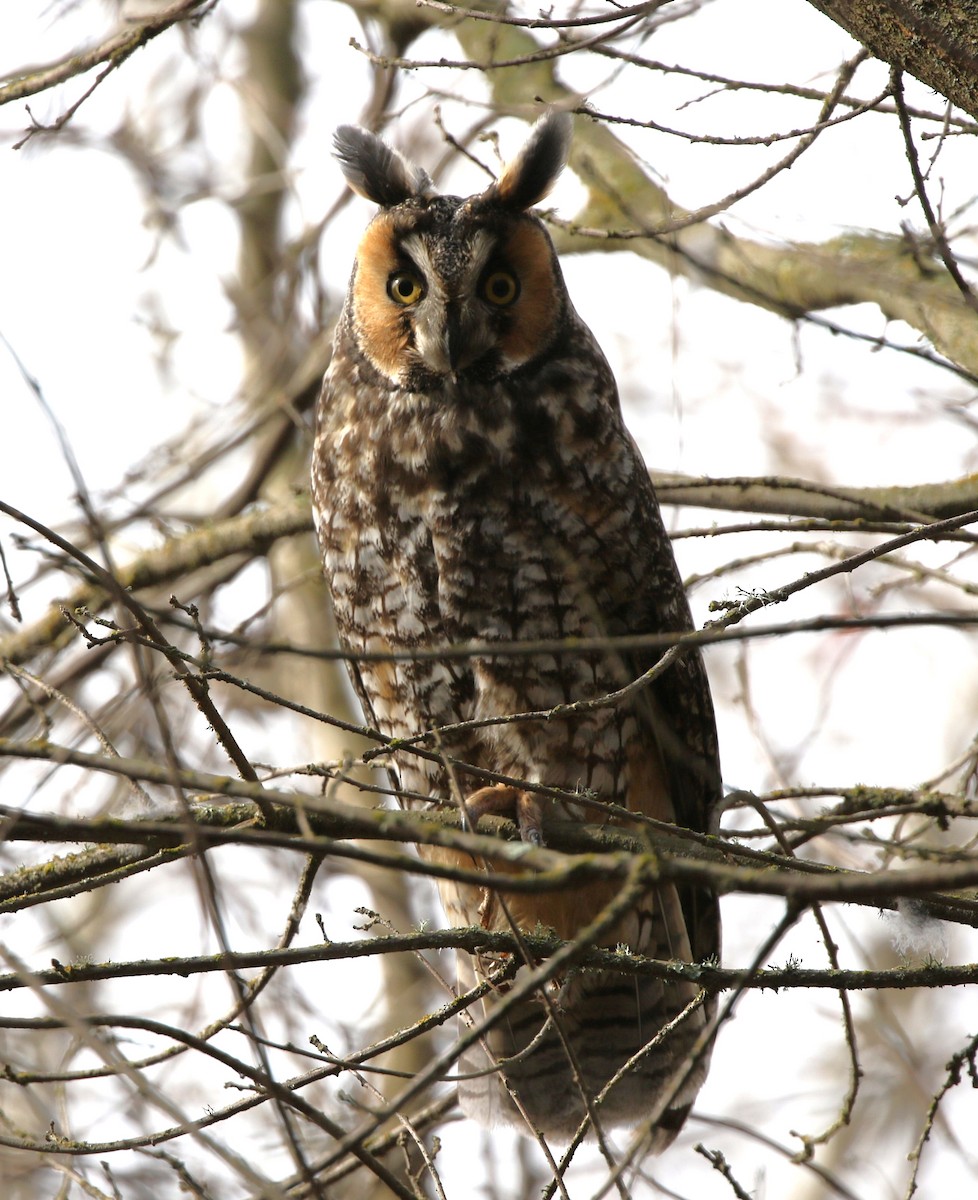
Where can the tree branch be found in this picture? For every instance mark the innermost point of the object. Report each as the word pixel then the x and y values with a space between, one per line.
pixel 482 941
pixel 252 533
pixel 584 854
pixel 113 50
pixel 793 279
pixel 933 42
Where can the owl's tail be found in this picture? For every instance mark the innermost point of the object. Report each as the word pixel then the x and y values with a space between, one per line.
pixel 601 1043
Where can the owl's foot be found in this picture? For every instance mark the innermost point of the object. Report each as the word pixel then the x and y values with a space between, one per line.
pixel 502 800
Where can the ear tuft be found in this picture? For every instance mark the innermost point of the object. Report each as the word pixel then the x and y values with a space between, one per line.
pixel 533 172
pixel 375 171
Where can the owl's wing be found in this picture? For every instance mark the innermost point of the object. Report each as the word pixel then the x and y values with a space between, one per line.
pixel 676 713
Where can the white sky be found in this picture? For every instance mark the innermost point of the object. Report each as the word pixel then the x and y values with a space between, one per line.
pixel 711 388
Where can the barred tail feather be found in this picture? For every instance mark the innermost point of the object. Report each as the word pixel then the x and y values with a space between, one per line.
pixel 609 1022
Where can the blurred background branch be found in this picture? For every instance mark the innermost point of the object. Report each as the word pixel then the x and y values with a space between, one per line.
pixel 795 359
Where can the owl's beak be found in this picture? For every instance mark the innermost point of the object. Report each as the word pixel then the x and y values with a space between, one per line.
pixel 454 341
pixel 445 340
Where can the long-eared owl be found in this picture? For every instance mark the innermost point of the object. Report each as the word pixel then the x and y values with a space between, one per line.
pixel 474 484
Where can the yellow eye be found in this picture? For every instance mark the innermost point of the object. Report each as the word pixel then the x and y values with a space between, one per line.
pixel 405 287
pixel 500 288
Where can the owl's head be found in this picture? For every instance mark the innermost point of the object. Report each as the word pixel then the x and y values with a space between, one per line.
pixel 447 289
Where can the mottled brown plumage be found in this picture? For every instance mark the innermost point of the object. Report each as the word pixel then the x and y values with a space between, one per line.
pixel 474 482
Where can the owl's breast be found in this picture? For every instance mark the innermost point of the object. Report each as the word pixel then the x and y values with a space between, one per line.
pixel 494 518
pixel 383 577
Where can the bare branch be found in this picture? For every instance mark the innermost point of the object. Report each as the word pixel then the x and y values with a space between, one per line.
pixel 113 50
pixel 934 46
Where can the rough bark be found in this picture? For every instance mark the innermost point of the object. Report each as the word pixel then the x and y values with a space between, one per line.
pixel 935 43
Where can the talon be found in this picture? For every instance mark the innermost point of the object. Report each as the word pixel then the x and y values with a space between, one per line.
pixel 499 800
pixel 502 800
pixel 529 815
